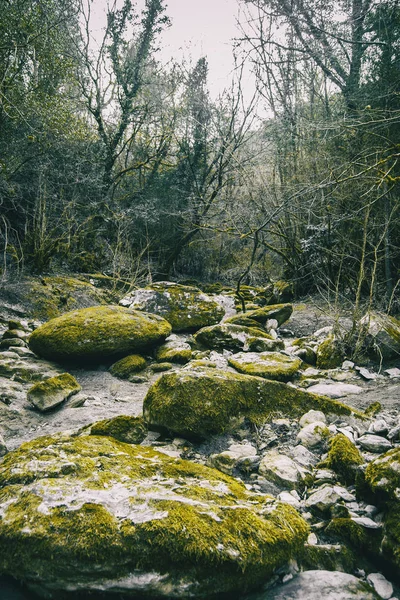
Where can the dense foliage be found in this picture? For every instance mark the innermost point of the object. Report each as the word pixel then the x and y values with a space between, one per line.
pixel 111 161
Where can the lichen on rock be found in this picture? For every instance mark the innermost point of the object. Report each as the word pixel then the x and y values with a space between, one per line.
pixel 93 514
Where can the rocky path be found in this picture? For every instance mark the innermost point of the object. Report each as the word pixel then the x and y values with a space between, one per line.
pixel 321 464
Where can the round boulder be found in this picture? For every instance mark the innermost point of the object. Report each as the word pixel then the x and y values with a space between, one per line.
pixel 98 333
pixel 92 514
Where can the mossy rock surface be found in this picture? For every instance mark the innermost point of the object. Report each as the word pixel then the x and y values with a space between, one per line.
pixel 382 478
pixel 236 338
pixel 44 298
pixel 383 334
pixel 97 334
pixel 124 428
pixel 174 350
pixel 26 370
pixel 202 402
pixel 270 365
pixel 91 514
pixel 124 368
pixel 279 312
pixel 343 458
pixel 329 354
pixel 187 308
pixel 383 475
pixel 48 394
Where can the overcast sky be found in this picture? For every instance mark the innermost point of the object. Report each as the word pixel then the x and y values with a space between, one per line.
pixel 198 28
pixel 203 28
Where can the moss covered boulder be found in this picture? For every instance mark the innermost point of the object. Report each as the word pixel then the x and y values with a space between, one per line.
pixel 382 479
pixel 127 366
pixel 174 350
pixel 383 334
pixel 343 458
pixel 91 514
pixel 98 333
pixel 237 338
pixel 48 394
pixel 271 365
pixel 201 402
pixel 186 307
pixel 330 354
pixel 278 312
pixel 124 428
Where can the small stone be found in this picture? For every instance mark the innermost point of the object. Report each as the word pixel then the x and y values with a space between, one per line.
pixel 323 499
pixel 365 374
pixel 312 539
pixel 347 364
pixel 379 427
pixel 393 373
pixel 382 586
pixel 366 522
pixel 53 391
pixel 288 498
pixel 324 476
pixel 335 390
pixel 160 367
pixel 311 417
pixel 280 469
pixel 77 401
pixel 304 457
pixel 313 435
pixel 374 443
pixel 3 447
pixel 394 433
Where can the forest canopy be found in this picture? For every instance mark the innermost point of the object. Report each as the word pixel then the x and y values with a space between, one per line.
pixel 112 161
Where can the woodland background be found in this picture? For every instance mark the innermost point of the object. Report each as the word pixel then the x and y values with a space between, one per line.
pixel 111 161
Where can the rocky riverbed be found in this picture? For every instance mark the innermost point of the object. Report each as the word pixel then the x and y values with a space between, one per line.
pixel 235 459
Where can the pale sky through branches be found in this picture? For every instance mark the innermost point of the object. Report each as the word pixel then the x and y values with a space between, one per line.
pixel 198 28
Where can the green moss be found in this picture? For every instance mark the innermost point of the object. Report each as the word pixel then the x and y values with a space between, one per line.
pixel 373 409
pixel 97 333
pixel 358 537
pixel 271 365
pixel 51 392
pixel 131 430
pixel 134 363
pixel 260 316
pixel 382 476
pixel 328 557
pixel 53 296
pixel 174 352
pixel 239 533
pixel 204 402
pixel 185 307
pixel 343 458
pixel 329 354
pixel 199 523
